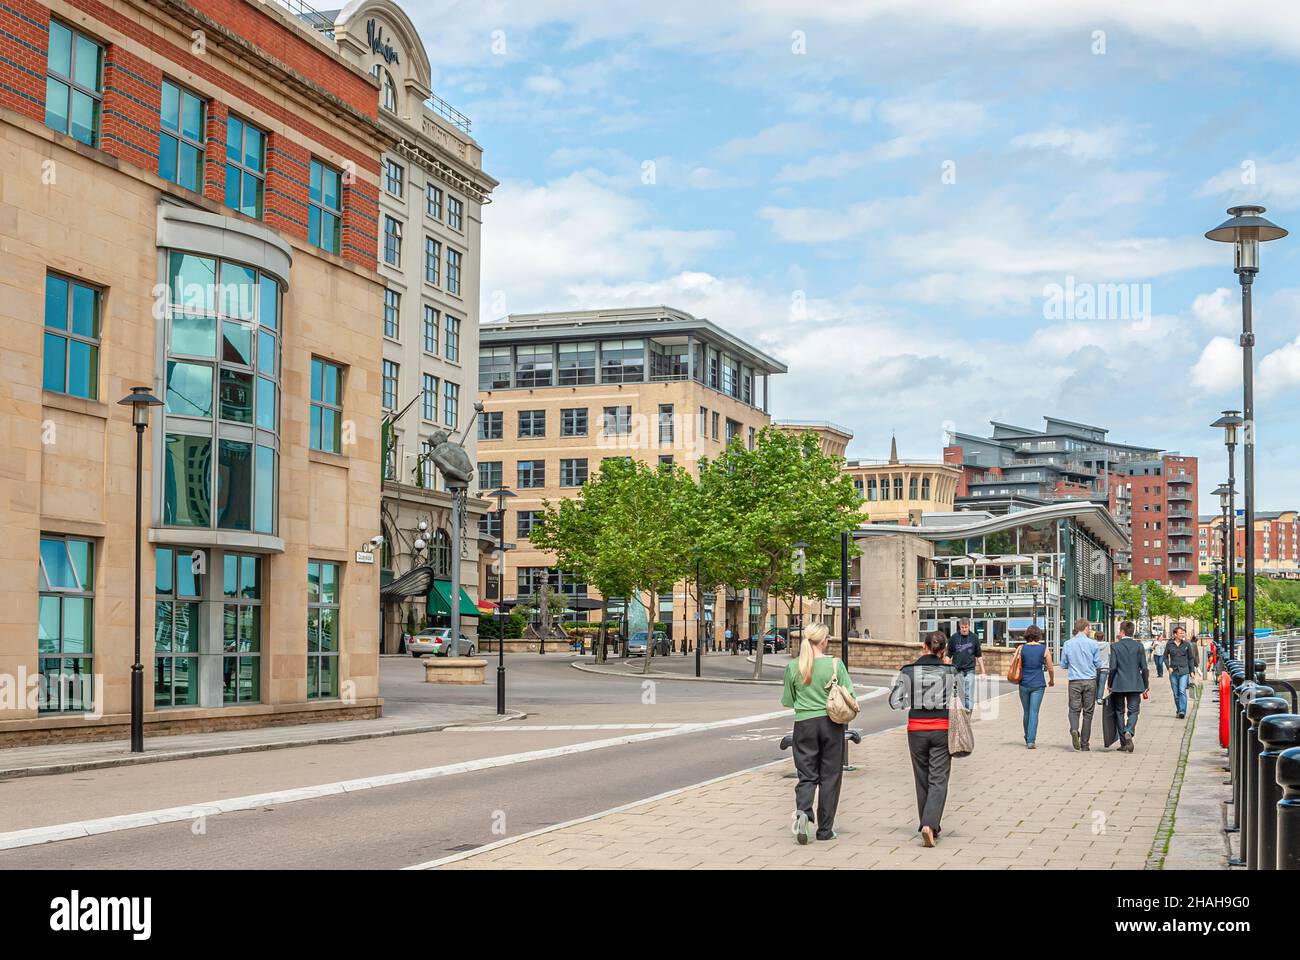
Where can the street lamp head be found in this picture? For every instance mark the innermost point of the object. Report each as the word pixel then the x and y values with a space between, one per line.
pixel 1229 422
pixel 1246 229
pixel 504 493
pixel 1224 493
pixel 140 400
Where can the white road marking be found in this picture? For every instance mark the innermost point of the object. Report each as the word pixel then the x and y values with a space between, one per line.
pixel 34 836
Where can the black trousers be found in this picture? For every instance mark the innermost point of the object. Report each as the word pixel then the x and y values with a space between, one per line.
pixel 931 764
pixel 1125 708
pixel 819 760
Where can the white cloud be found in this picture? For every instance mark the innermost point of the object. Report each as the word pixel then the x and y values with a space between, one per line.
pixel 1083 145
pixel 1217 312
pixel 1280 369
pixel 822 167
pixel 1257 180
pixel 1219 367
pixel 776 140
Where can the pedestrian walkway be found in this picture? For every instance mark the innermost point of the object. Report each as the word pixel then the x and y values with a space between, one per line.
pixel 1196 839
pixel 1008 808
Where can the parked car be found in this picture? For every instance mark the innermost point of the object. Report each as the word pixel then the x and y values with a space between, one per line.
pixel 436 642
pixel 636 644
pixel 775 642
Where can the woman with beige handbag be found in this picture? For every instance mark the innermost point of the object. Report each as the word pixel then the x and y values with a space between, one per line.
pixel 818 687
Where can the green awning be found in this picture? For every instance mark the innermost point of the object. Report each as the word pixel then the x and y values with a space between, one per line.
pixel 439 602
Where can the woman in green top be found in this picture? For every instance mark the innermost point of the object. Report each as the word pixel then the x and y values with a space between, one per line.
pixel 818 743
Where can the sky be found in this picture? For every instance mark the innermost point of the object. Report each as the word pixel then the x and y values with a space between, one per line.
pixel 936 214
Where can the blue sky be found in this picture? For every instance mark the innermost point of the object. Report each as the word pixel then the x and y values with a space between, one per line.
pixel 883 194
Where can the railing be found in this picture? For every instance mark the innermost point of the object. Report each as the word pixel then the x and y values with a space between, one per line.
pixel 985 586
pixel 449 113
pixel 1279 649
pixel 833 592
pixel 824 424
pixel 310 16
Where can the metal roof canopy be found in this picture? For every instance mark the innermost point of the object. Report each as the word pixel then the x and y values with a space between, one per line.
pixel 1093 517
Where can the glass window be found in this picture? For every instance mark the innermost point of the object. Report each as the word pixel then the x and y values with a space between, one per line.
pixel 429 398
pixel 455 213
pixel 573 422
pixel 389 385
pixel 430 331
pixel 489 426
pixel 392 241
pixel 665 423
pixel 65 640
pixel 526 520
pixel 532 423
pixel 432 261
pixel 494 367
pixel 622 361
pixel 453 270
pixel 450 404
pixel 71 358
pixel 433 201
pixel 325 207
pixel 388 92
pixel 577 364
pixel 573 472
pixel 531 474
pixel 534 365
pixel 74 84
pixel 245 167
pixel 181 137
pixel 178 623
pixel 326 406
pixel 452 340
pixel 322 629
pixel 394 177
pixel 241 663
pixel 618 420
pixel 392 312
pixel 489 476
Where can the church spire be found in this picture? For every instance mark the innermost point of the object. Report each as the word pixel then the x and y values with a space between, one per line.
pixel 893 449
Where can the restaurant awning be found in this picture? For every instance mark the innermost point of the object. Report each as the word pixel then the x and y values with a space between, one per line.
pixel 439 603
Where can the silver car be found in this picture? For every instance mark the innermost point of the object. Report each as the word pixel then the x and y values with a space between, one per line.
pixel 436 642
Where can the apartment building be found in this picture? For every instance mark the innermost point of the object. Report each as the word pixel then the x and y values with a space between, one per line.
pixel 428 241
pixel 564 391
pixel 1277 543
pixel 191 188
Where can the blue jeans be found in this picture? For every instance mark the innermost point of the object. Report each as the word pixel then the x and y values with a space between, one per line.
pixel 967 688
pixel 1160 665
pixel 1031 698
pixel 1179 683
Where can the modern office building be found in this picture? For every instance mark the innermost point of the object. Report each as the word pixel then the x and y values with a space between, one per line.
pixel 1277 543
pixel 901 491
pixel 1151 492
pixel 197 219
pixel 428 240
pixel 564 391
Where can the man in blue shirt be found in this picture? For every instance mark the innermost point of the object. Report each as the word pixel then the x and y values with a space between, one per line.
pixel 1081 659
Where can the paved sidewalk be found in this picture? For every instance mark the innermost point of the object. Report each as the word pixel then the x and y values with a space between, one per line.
pixel 1197 840
pixel 1008 808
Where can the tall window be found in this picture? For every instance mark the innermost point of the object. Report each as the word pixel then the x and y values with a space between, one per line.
pixel 455 213
pixel 573 422
pixel 392 312
pixel 531 474
pixel 392 241
pixel 245 167
pixel 181 137
pixel 325 207
pixel 389 385
pixel 388 89
pixel 223 375
pixel 494 367
pixel 573 472
pixel 526 520
pixel 71 361
pixel 394 178
pixel 534 365
pixel 433 201
pixel 432 261
pixel 429 398
pixel 622 361
pixel 430 331
pixel 532 423
pixel 452 343
pixel 489 425
pixel 322 629
pixel 450 404
pixel 74 86
pixel 577 364
pixel 241 663
pixel 178 594
pixel 326 405
pixel 618 420
pixel 665 423
pixel 453 270
pixel 66 624
pixel 489 476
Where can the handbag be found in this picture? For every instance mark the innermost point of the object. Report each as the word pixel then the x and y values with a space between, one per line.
pixel 841 706
pixel 1017 668
pixel 961 736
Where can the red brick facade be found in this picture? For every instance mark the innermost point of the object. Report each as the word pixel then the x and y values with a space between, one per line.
pixel 130 117
pixel 24 39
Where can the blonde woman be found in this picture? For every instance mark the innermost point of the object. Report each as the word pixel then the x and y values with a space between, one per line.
pixel 818 742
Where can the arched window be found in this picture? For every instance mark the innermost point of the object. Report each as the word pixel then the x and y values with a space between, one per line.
pixel 440 554
pixel 388 93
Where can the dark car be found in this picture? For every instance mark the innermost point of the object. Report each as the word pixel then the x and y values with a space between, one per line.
pixel 636 644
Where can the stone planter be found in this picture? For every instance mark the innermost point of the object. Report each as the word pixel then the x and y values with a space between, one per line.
pixel 467 670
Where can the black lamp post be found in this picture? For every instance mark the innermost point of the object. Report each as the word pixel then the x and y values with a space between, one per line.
pixel 844 595
pixel 1228 531
pixel 1230 422
pixel 139 400
pixel 1246 229
pixel 800 566
pixel 501 496
pixel 699 610
pixel 1216 572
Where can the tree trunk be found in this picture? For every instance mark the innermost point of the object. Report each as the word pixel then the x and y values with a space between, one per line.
pixel 758 643
pixel 604 631
pixel 650 629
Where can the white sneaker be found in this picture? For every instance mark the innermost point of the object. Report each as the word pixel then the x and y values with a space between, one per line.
pixel 802 828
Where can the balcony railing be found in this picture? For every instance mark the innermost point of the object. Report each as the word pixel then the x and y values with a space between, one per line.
pixel 1181 513
pixel 449 113
pixel 986 587
pixel 1180 495
pixel 310 16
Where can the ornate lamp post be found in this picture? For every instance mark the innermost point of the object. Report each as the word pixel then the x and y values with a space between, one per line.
pixel 139 400
pixel 1228 532
pixel 501 496
pixel 1246 229
pixel 800 567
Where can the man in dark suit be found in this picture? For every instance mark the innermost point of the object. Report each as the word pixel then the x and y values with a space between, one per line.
pixel 1129 680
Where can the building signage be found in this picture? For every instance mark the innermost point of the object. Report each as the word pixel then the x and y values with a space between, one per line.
pixel 364 557
pixel 981 600
pixel 375 37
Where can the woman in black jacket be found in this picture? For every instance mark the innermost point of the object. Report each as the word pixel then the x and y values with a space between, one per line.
pixel 925 689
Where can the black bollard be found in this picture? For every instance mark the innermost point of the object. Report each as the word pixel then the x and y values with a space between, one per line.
pixel 1240 695
pixel 1288 810
pixel 1277 733
pixel 1256 711
pixel 1247 761
pixel 1237 674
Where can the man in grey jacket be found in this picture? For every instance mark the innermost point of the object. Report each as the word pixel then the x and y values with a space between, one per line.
pixel 1129 680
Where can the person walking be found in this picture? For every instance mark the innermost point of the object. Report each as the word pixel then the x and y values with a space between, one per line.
pixel 1035 677
pixel 727 638
pixel 818 743
pixel 1081 660
pixel 1129 680
pixel 1183 666
pixel 964 653
pixel 1158 654
pixel 925 688
pixel 1103 671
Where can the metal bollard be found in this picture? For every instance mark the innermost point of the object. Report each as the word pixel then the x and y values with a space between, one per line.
pixel 1256 711
pixel 1246 763
pixel 1277 733
pixel 1237 674
pixel 1288 810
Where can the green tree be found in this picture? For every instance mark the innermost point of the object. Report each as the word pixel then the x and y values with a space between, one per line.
pixel 754 505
